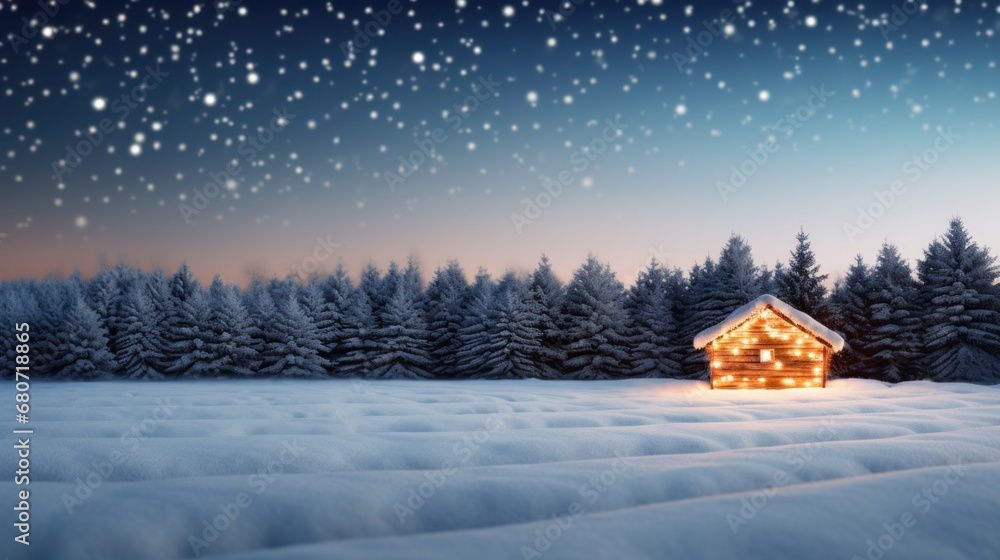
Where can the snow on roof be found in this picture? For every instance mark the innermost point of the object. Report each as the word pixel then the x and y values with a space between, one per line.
pixel 800 319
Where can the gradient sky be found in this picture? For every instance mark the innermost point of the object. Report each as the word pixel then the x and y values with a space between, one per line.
pixel 898 81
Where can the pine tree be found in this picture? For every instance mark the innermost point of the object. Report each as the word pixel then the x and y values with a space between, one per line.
pixel 514 339
pixel 360 335
pixel 324 316
pixel 961 302
pixel 801 284
pixel 474 334
pixel 346 340
pixel 701 308
pixel 402 348
pixel 653 339
pixel 228 344
pixel 740 280
pixel 138 354
pixel 547 294
pixel 53 305
pixel 444 305
pixel 288 341
pixel 894 318
pixel 849 315
pixel 185 314
pixel 82 348
pixel 594 328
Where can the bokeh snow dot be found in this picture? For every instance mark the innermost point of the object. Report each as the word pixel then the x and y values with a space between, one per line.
pixel 210 99
pixel 764 95
pixel 418 57
pixel 99 103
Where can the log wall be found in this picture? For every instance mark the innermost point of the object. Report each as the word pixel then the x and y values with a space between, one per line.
pixel 799 359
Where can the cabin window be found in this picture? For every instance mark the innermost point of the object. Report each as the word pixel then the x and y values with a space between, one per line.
pixel 766 356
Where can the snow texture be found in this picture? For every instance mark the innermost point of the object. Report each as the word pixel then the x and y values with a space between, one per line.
pixel 653 469
pixel 800 319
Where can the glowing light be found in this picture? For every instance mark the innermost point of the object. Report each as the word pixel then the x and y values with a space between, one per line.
pixel 789 381
pixel 817 370
pixel 761 379
pixel 716 364
pixel 778 365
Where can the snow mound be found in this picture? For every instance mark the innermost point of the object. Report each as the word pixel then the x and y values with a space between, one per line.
pixel 800 319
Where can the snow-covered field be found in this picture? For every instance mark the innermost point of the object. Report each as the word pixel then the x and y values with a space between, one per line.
pixel 508 469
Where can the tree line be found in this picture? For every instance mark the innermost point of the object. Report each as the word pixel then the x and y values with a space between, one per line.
pixel 942 323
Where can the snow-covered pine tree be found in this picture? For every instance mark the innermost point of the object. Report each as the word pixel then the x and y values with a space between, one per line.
pixel 228 345
pixel 324 317
pixel 547 295
pixel 186 312
pixel 401 348
pixel 653 338
pixel 594 324
pixel 739 278
pixel 444 306
pixel 701 308
pixel 894 318
pixel 800 284
pixel 290 347
pixel 82 349
pixel 341 299
pixel 513 340
pixel 961 303
pixel 849 314
pixel 360 334
pixel 138 353
pixel 17 305
pixel 474 335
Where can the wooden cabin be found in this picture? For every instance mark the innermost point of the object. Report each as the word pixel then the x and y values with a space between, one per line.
pixel 768 344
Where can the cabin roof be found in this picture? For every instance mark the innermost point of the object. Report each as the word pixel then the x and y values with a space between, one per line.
pixel 798 318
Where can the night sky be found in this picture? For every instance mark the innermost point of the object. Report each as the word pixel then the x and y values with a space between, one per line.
pixel 507 98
